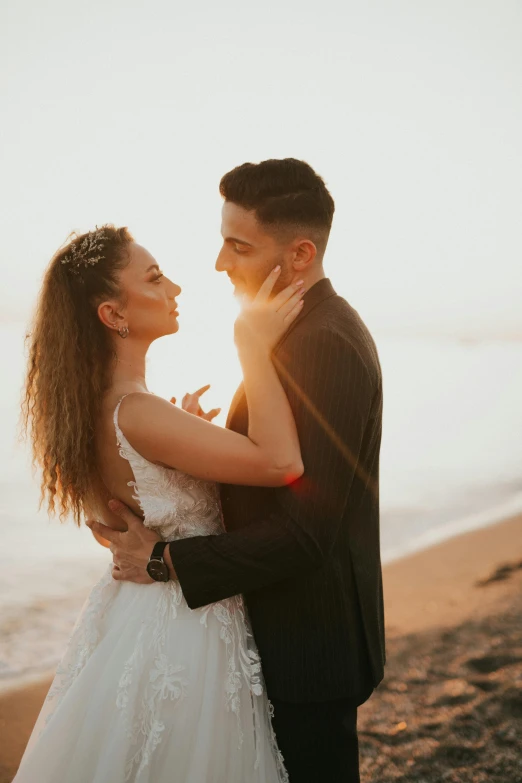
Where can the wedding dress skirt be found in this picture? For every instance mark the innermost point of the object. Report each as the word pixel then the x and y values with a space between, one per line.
pixel 148 690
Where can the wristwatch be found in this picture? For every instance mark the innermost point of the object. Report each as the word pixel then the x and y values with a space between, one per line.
pixel 157 567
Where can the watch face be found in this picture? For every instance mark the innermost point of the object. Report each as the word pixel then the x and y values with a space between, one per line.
pixel 158 570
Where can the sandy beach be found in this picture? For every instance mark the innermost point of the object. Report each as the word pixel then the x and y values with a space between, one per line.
pixel 450 706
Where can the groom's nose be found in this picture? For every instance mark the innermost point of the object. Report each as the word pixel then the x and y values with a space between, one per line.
pixel 224 263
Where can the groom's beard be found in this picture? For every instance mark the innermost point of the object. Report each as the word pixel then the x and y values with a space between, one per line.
pixel 250 288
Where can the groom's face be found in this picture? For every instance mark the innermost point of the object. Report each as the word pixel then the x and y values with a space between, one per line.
pixel 249 252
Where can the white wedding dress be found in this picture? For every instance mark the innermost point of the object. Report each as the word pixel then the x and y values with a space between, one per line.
pixel 148 690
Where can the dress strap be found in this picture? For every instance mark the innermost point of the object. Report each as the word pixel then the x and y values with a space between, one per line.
pixel 126 450
pixel 125 447
pixel 119 433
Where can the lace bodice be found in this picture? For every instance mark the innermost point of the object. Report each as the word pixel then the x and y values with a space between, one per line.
pixel 173 503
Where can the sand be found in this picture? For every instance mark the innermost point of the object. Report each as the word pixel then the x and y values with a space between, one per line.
pixel 450 706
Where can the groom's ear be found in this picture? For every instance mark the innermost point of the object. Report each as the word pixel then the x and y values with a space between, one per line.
pixel 304 253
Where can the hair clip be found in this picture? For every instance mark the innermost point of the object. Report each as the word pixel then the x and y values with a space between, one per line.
pixel 87 252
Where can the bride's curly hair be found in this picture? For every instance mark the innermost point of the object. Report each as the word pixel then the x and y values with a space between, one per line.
pixel 70 364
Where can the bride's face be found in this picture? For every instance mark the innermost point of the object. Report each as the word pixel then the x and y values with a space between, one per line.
pixel 149 298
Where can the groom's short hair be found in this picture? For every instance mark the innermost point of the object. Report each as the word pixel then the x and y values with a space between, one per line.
pixel 286 195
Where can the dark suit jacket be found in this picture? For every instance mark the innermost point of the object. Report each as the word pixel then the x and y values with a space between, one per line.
pixel 306 556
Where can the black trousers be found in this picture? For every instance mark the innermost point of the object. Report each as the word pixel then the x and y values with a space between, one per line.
pixel 319 740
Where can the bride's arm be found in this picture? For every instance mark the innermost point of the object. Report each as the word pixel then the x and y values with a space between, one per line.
pixel 270 455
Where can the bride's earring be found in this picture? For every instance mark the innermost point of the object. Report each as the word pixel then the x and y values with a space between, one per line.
pixel 123 331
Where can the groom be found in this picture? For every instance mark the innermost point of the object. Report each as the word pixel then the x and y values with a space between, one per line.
pixel 305 556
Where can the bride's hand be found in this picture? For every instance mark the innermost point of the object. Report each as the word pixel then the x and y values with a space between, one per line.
pixel 190 403
pixel 263 321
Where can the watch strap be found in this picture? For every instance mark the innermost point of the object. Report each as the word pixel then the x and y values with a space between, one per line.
pixel 157 552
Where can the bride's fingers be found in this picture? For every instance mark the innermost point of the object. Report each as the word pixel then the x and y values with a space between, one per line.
pixel 266 289
pixel 190 404
pixel 288 306
pixel 287 293
pixel 294 312
pixel 201 391
pixel 211 414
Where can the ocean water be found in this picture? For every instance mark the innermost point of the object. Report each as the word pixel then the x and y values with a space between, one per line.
pixel 451 461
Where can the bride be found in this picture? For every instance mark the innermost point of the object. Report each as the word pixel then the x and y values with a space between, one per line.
pixel 148 690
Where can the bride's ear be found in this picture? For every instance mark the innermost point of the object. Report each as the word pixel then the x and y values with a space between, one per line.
pixel 304 254
pixel 110 315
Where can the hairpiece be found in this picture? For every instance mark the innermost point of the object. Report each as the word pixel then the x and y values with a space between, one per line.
pixel 87 252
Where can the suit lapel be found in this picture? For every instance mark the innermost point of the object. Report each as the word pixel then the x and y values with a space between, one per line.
pixel 322 290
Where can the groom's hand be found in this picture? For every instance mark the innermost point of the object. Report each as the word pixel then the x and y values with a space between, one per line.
pixel 131 549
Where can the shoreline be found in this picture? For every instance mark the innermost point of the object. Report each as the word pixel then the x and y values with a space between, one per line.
pixel 495 515
pixel 472 576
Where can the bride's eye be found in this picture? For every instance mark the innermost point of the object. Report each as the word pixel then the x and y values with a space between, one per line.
pixel 158 278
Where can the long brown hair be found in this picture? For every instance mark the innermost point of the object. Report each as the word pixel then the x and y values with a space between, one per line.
pixel 70 363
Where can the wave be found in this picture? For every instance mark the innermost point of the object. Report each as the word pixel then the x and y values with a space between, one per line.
pixel 435 535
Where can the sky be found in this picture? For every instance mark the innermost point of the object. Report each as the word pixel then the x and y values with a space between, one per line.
pixel 130 112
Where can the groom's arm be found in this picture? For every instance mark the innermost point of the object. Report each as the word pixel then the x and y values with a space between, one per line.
pixel 330 393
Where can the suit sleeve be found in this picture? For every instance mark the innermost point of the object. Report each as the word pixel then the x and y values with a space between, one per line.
pixel 330 393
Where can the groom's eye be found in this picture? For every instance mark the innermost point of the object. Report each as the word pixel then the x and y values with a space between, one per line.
pixel 240 248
